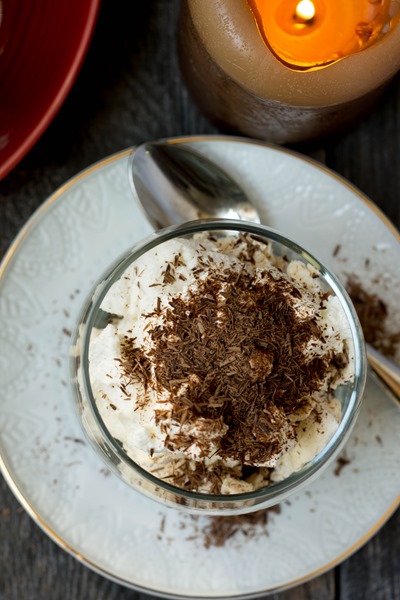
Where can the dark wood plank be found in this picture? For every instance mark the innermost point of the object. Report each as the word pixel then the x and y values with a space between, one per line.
pixel 130 90
pixel 374 571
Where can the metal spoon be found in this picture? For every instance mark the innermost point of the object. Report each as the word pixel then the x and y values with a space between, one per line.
pixel 386 371
pixel 175 184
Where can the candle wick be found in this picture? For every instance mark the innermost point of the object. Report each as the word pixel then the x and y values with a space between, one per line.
pixel 302 21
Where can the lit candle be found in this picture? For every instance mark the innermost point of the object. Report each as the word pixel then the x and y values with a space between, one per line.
pixel 288 70
pixel 305 34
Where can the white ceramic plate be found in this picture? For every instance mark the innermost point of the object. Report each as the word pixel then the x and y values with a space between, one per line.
pixel 56 475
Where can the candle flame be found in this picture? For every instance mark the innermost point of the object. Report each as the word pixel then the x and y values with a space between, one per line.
pixel 305 10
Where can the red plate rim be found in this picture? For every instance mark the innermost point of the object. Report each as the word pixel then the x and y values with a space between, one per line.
pixel 57 99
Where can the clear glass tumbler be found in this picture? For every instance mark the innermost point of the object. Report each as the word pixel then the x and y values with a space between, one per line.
pixel 112 450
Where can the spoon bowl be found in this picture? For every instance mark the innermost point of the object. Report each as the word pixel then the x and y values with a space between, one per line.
pixel 175 184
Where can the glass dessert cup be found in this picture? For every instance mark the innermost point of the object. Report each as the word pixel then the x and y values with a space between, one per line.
pixel 111 448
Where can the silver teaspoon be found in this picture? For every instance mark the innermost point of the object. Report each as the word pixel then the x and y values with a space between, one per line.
pixel 175 184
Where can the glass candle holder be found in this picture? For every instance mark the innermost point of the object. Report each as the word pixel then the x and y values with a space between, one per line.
pixel 105 419
pixel 266 71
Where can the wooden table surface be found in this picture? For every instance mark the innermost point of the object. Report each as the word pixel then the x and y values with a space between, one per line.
pixel 128 91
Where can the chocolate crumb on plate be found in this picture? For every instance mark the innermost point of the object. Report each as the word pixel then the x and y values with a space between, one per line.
pixel 373 312
pixel 341 462
pixel 220 529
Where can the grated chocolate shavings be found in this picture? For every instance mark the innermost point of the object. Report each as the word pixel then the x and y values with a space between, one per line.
pixel 221 529
pixel 218 531
pixel 373 312
pixel 230 353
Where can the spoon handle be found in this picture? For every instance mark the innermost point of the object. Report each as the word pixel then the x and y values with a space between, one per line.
pixel 386 370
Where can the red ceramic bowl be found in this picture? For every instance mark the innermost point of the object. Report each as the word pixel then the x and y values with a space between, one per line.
pixel 42 45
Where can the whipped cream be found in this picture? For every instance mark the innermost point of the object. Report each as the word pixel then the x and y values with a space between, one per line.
pixel 217 372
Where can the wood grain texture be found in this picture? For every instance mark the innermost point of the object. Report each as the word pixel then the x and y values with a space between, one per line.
pixel 130 90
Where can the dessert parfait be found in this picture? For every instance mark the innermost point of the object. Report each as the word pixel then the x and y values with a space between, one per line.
pixel 220 366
